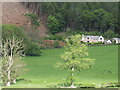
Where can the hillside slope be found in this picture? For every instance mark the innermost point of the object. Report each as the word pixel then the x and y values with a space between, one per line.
pixel 13 13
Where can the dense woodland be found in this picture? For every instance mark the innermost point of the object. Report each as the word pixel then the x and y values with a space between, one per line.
pixel 94 17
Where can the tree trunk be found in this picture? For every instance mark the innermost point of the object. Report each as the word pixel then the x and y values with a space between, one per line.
pixel 8 82
pixel 14 80
pixel 10 63
pixel 72 79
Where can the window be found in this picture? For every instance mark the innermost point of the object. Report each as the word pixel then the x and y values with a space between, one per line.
pixel 100 38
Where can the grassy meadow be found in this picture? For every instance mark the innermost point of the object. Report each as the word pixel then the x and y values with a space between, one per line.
pixel 41 70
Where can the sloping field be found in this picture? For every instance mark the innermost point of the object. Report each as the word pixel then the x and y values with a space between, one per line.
pixel 42 71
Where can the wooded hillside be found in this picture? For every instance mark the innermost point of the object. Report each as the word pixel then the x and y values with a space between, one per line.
pixel 84 16
pixel 91 17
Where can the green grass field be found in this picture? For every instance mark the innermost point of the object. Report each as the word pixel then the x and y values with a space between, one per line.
pixel 42 71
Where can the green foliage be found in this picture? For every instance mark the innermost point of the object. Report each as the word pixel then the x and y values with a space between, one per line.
pixel 56 44
pixel 85 16
pixel 33 50
pixel 8 31
pixel 95 43
pixel 113 84
pixel 99 43
pixel 55 37
pixel 61 21
pixel 98 19
pixel 109 34
pixel 55 23
pixel 34 19
pixel 70 31
pixel 49 7
pixel 87 86
pixel 75 57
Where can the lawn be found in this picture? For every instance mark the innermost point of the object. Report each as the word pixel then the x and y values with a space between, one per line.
pixel 41 70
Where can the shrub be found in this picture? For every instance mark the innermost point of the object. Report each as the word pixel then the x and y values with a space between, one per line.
pixel 56 44
pixel 48 43
pixel 111 84
pixel 58 37
pixel 55 23
pixel 52 44
pixel 109 34
pixel 8 31
pixel 70 31
pixel 98 43
pixel 95 43
pixel 55 37
pixel 33 49
pixel 34 19
pixel 87 86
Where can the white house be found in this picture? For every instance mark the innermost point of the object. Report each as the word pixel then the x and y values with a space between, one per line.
pixel 90 39
pixel 109 41
pixel 117 40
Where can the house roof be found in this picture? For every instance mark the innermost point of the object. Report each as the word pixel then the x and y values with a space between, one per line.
pixel 118 39
pixel 93 37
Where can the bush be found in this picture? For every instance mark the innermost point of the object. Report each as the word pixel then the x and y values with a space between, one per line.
pixel 55 37
pixel 95 43
pixel 98 43
pixel 34 19
pixel 55 23
pixel 52 44
pixel 8 31
pixel 33 50
pixel 69 31
pixel 109 34
pixel 48 43
pixel 56 44
pixel 87 86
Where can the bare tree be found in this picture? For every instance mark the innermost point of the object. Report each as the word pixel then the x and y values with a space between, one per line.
pixel 12 50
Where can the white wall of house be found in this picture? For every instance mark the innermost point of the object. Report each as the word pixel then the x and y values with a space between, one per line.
pixel 90 40
pixel 109 41
pixel 101 39
pixel 117 40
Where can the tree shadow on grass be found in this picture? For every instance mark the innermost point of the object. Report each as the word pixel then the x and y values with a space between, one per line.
pixel 67 85
pixel 23 80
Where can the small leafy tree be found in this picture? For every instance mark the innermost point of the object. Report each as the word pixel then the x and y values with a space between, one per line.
pixel 109 34
pixel 33 49
pixel 12 51
pixel 33 19
pixel 75 57
pixel 55 23
pixel 56 44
